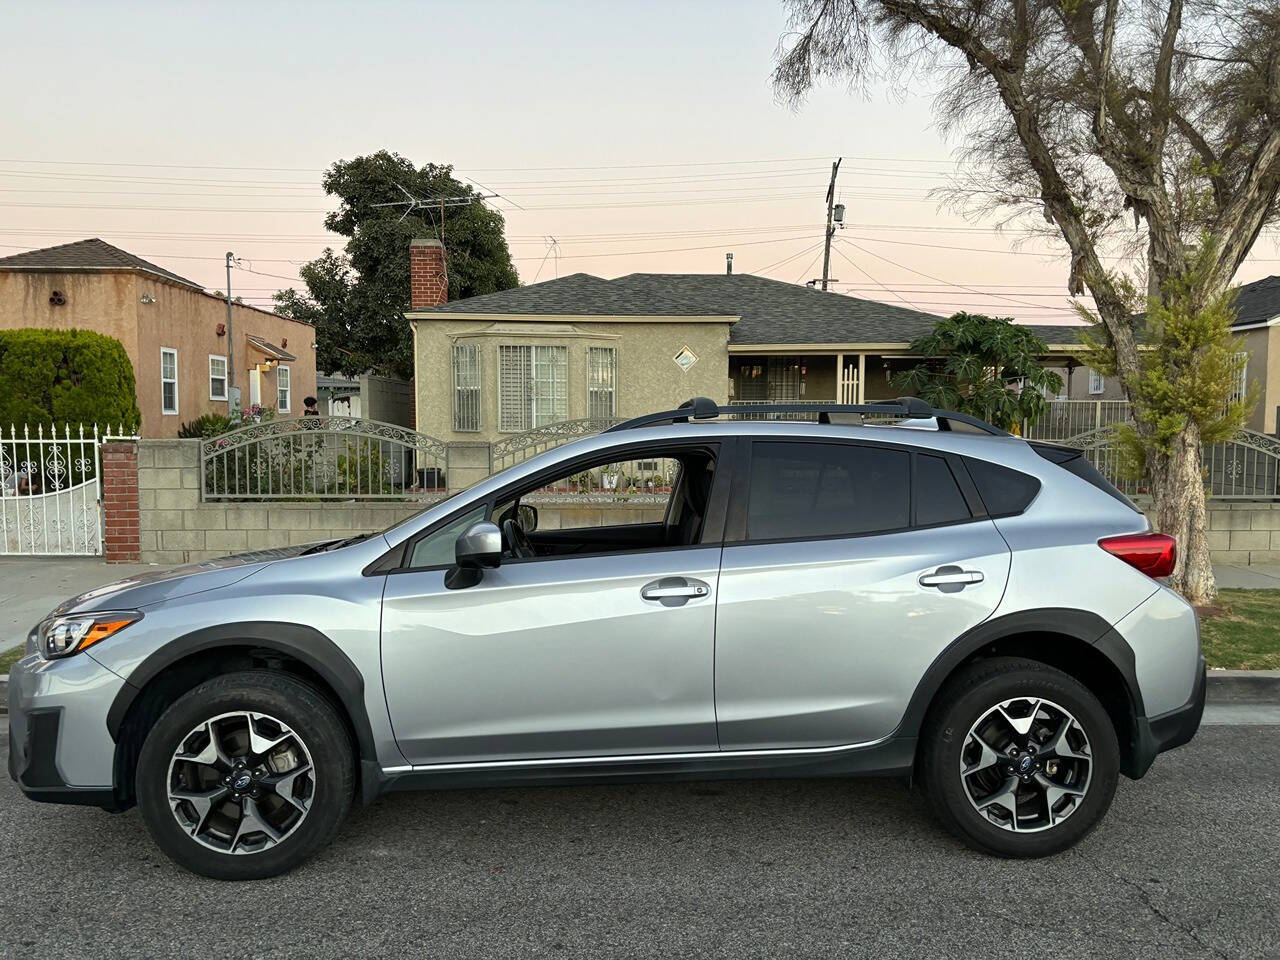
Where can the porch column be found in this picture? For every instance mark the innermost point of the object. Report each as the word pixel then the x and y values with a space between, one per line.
pixel 839 378
pixel 862 378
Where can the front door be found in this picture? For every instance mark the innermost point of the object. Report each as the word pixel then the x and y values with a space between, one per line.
pixel 255 387
pixel 840 591
pixel 553 657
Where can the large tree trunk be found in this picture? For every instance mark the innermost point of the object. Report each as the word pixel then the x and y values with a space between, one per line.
pixel 1179 508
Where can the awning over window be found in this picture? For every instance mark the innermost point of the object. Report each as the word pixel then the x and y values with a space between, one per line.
pixel 270 349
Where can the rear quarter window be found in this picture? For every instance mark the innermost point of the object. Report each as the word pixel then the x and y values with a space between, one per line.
pixel 1004 492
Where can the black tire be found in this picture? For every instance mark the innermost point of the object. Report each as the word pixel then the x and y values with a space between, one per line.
pixel 293 702
pixel 974 691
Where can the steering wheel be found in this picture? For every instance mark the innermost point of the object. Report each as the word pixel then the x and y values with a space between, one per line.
pixel 517 539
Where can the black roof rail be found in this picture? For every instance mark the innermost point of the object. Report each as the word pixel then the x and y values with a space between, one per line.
pixel 703 408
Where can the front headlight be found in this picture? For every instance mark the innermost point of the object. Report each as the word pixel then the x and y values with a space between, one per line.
pixel 63 636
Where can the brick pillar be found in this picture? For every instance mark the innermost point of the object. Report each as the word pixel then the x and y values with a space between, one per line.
pixel 428 277
pixel 120 502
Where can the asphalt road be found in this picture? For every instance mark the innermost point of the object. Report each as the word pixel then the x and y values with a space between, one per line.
pixel 1187 864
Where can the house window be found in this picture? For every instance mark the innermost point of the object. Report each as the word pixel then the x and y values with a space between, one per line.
pixel 602 376
pixel 282 389
pixel 1097 382
pixel 168 380
pixel 533 386
pixel 217 377
pixel 466 387
pixel 1240 383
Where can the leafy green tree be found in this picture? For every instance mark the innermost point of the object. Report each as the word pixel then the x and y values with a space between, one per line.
pixel 1151 128
pixel 66 377
pixel 988 367
pixel 357 298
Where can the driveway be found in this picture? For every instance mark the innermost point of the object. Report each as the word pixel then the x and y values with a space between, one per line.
pixel 1185 865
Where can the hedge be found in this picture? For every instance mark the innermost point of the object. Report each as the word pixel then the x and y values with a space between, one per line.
pixel 66 376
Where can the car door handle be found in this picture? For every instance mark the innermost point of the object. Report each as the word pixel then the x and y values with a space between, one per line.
pixel 952 577
pixel 674 591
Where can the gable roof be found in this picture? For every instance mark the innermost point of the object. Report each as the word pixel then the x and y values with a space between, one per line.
pixel 87 255
pixel 578 294
pixel 1258 302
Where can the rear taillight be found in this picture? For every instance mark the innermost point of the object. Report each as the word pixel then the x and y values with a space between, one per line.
pixel 1152 553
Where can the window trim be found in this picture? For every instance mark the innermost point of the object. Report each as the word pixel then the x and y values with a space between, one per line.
pixel 474 350
pixel 1102 383
pixel 613 383
pixel 287 406
pixel 736 527
pixel 532 348
pixel 226 390
pixel 725 450
pixel 174 381
pixel 1240 389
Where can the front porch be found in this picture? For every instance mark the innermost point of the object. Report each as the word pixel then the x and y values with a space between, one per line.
pixel 802 376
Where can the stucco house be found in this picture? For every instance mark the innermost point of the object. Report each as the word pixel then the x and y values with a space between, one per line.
pixel 583 347
pixel 174 332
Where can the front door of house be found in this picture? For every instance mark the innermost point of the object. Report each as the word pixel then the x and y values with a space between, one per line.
pixel 255 387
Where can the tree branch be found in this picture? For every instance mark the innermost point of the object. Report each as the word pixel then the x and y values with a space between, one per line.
pixel 1238 225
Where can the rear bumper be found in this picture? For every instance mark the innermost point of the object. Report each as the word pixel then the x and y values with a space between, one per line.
pixel 1152 736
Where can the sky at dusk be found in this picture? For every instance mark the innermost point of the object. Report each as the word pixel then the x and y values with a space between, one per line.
pixel 641 136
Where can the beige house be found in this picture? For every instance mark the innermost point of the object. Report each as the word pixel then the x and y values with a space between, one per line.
pixel 174 333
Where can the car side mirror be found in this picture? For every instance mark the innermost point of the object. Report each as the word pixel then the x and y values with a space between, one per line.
pixel 479 546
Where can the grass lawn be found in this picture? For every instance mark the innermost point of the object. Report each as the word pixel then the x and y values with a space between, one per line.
pixel 9 657
pixel 1243 631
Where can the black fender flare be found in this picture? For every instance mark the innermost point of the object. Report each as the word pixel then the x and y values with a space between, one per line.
pixel 294 640
pixel 1079 624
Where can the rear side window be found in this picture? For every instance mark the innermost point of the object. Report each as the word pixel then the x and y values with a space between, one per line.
pixel 938 496
pixel 1004 492
pixel 803 490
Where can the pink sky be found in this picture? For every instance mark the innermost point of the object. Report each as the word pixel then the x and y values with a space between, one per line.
pixel 644 137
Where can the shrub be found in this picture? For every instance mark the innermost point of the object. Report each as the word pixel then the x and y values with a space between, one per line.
pixel 205 425
pixel 66 376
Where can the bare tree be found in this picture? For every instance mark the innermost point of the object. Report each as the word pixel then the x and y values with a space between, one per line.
pixel 1104 117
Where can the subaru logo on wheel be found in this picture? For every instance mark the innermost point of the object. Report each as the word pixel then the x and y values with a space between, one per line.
pixel 1024 765
pixel 242 781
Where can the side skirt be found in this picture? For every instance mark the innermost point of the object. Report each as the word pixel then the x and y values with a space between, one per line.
pixel 890 758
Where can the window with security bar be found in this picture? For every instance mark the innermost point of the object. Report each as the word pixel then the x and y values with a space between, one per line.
pixel 466 387
pixel 533 386
pixel 602 377
pixel 1240 386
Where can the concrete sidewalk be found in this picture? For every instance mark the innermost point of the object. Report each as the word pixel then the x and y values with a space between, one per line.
pixel 32 586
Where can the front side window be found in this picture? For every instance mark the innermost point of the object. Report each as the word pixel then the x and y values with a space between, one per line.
pixel 217 377
pixel 437 549
pixel 168 380
pixel 282 389
pixel 533 386
pixel 806 490
pixel 602 374
pixel 466 387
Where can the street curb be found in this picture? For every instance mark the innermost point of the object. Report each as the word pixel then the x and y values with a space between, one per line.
pixel 1225 686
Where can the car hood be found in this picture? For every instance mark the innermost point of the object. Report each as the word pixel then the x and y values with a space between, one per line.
pixel 149 588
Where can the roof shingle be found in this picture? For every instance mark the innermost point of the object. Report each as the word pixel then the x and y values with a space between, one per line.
pixel 87 254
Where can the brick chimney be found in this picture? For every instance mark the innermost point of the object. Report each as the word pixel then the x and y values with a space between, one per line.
pixel 428 278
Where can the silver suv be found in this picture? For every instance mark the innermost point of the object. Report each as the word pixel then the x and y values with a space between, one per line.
pixel 931 599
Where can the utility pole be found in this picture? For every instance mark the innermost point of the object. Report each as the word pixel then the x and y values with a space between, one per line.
pixel 831 226
pixel 231 337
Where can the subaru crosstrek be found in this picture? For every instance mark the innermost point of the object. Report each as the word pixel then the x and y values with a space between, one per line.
pixel 929 598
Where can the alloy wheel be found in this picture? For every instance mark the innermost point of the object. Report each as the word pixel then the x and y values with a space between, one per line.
pixel 241 782
pixel 1026 764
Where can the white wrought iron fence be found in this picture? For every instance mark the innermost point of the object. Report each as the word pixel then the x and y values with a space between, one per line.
pixel 50 489
pixel 322 458
pixel 1063 419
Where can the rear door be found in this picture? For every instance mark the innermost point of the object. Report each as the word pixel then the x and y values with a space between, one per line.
pixel 847 568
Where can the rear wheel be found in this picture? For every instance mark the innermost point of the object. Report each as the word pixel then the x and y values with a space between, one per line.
pixel 1018 759
pixel 246 776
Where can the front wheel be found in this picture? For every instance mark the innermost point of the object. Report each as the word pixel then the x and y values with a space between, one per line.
pixel 1018 759
pixel 246 776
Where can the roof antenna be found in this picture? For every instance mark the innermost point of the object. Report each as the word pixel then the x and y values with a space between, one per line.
pixel 728 263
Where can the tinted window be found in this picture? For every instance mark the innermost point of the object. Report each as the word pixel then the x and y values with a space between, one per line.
pixel 437 549
pixel 819 489
pixel 938 496
pixel 1004 492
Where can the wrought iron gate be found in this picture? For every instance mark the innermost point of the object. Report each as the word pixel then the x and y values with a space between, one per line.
pixel 50 491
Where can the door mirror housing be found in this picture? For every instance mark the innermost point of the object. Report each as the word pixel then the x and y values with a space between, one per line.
pixel 479 546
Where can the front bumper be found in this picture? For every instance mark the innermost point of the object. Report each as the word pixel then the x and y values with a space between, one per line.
pixel 59 747
pixel 1154 735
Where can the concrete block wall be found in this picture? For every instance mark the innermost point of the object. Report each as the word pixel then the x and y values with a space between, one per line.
pixel 177 527
pixel 1244 531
